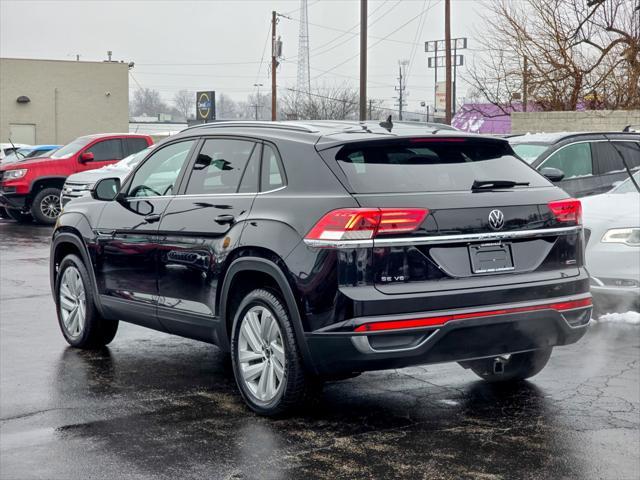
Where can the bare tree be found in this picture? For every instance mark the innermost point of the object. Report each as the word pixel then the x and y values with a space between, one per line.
pixel 185 102
pixel 565 53
pixel 338 102
pixel 147 101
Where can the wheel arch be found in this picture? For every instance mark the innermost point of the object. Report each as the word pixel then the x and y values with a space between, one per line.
pixel 46 182
pixel 65 242
pixel 262 266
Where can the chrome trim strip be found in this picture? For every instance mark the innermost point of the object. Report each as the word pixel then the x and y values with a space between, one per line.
pixel 438 239
pixel 361 342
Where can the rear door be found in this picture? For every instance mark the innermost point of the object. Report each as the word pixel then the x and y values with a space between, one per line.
pixel 200 227
pixel 468 238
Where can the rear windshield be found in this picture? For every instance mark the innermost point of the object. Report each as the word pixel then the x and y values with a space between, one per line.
pixel 431 165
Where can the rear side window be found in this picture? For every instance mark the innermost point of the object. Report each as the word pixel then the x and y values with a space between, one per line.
pixel 272 175
pixel 574 160
pixel 431 165
pixel 630 151
pixel 107 150
pixel 219 166
pixel 134 145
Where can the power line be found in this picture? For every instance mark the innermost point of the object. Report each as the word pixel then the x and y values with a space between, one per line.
pixel 324 72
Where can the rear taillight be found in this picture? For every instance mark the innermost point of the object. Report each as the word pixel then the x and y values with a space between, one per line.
pixel 366 223
pixel 569 210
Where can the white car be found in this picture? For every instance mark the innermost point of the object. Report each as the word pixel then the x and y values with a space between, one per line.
pixel 612 230
pixel 80 184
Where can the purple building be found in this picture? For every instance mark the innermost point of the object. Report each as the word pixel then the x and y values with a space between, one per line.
pixel 484 118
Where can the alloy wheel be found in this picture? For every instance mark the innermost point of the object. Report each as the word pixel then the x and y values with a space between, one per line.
pixel 261 354
pixel 72 302
pixel 50 206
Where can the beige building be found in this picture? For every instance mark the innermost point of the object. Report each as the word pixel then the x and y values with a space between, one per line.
pixel 53 101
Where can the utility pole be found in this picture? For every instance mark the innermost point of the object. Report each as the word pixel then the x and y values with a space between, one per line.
pixel 370 109
pixel 401 88
pixel 257 105
pixel 363 60
pixel 447 47
pixel 525 84
pixel 274 66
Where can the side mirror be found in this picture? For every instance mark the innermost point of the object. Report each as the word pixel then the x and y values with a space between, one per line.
pixel 86 157
pixel 106 189
pixel 553 174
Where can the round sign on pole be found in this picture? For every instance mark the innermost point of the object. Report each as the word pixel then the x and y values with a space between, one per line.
pixel 205 109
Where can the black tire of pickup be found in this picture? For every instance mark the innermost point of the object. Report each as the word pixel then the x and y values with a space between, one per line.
pixel 45 206
pixel 18 216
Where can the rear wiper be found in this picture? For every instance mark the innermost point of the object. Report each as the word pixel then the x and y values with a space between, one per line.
pixel 488 184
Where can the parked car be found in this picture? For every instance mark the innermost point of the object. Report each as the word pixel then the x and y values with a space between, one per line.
pixel 25 153
pixel 31 189
pixel 588 162
pixel 612 229
pixel 80 184
pixel 318 251
pixel 8 148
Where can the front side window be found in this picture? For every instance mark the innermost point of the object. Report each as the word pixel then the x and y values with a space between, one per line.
pixel 159 173
pixel 219 166
pixel 107 150
pixel 574 160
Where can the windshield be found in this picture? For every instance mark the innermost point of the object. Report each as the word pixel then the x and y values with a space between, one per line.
pixel 132 160
pixel 71 148
pixel 431 165
pixel 529 152
pixel 41 153
pixel 627 186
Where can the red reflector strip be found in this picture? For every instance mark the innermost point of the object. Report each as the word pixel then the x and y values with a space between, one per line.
pixel 442 319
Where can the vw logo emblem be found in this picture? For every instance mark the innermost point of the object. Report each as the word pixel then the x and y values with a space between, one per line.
pixel 496 219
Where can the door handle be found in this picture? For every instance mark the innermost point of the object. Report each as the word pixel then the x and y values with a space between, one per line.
pixel 152 218
pixel 225 219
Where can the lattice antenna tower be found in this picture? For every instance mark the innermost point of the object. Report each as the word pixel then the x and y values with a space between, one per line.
pixel 304 70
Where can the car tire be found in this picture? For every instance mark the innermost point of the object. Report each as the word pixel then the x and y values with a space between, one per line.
pixel 265 356
pixel 18 216
pixel 78 318
pixel 45 206
pixel 3 213
pixel 513 368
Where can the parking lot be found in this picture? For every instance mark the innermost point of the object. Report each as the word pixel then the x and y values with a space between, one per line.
pixel 157 406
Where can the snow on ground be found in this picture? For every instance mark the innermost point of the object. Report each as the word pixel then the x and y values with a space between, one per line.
pixel 631 318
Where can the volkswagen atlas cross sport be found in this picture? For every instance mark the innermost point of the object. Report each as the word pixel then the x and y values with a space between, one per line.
pixel 318 251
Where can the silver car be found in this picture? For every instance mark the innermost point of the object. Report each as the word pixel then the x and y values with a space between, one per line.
pixel 612 227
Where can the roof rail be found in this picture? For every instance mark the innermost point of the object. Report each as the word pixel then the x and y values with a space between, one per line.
pixel 299 127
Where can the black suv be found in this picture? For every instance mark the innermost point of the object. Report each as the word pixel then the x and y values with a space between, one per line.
pixel 587 163
pixel 318 251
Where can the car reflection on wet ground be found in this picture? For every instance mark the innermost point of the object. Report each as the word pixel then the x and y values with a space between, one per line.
pixel 157 406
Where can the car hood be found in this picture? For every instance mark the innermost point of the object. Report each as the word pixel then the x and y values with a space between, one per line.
pixel 611 210
pixel 25 163
pixel 92 176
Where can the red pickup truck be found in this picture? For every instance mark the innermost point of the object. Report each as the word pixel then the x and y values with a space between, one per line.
pixel 31 189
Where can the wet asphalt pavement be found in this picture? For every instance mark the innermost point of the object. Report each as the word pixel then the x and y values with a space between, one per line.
pixel 158 406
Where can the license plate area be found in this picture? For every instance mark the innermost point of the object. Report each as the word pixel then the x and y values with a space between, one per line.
pixel 491 258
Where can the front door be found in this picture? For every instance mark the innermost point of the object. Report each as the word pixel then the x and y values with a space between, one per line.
pixel 126 270
pixel 105 152
pixel 198 229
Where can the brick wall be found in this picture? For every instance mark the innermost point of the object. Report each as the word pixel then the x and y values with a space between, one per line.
pixel 587 121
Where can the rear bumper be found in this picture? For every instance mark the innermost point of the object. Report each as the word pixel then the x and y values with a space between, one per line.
pixel 457 340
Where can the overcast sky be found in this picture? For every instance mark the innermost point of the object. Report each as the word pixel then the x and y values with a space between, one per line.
pixel 219 45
